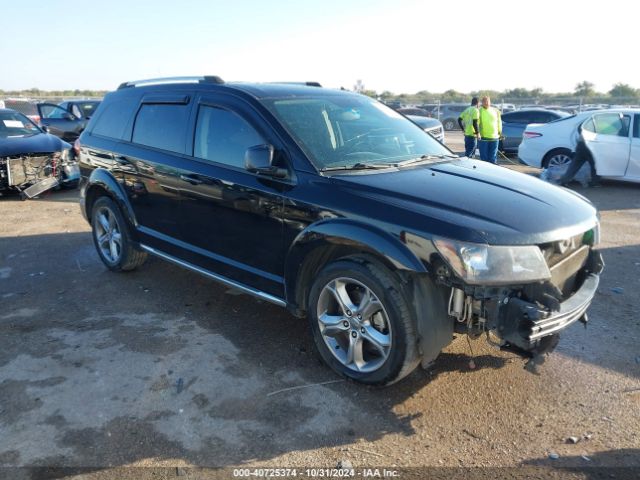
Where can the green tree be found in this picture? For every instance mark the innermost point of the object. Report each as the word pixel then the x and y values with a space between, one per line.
pixel 585 89
pixel 623 90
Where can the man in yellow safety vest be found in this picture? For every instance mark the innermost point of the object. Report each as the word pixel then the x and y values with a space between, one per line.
pixel 468 121
pixel 490 125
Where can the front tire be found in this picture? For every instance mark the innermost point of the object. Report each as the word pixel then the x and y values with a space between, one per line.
pixel 449 124
pixel 362 322
pixel 112 237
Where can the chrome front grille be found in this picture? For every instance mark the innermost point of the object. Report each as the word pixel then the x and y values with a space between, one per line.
pixel 436 131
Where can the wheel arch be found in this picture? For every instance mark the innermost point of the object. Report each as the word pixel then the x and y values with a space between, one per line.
pixel 101 182
pixel 330 240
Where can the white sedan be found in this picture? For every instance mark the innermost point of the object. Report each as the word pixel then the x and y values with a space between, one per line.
pixel 612 137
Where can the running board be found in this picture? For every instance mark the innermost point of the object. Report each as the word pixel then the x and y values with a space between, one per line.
pixel 218 278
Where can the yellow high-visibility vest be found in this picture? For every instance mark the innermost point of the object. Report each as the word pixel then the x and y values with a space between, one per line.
pixel 468 116
pixel 490 123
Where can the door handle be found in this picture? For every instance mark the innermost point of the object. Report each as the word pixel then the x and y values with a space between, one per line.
pixel 122 160
pixel 191 179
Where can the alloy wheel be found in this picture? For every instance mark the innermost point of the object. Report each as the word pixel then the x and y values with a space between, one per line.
pixel 354 324
pixel 108 235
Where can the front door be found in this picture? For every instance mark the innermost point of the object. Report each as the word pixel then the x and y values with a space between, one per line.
pixel 608 138
pixel 60 122
pixel 231 217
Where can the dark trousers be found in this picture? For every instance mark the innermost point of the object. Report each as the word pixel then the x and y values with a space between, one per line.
pixel 489 150
pixel 581 155
pixel 469 146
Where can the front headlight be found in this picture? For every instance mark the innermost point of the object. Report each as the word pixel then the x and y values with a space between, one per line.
pixel 481 264
pixel 62 156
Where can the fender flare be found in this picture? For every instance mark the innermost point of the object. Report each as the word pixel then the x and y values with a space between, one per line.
pixel 351 235
pixel 103 179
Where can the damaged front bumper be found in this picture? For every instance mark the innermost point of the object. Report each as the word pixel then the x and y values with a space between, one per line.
pixel 32 175
pixel 526 317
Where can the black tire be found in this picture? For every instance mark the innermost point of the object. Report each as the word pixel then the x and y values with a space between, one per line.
pixel 449 124
pixel 125 255
pixel 562 153
pixel 386 289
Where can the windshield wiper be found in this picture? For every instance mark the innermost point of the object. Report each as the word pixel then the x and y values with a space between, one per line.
pixel 422 158
pixel 358 166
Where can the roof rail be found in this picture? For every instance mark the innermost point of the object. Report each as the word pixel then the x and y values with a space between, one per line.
pixel 308 84
pixel 156 81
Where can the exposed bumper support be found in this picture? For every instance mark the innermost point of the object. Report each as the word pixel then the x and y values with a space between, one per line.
pixel 525 323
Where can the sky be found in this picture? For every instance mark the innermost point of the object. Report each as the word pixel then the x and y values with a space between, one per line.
pixel 403 46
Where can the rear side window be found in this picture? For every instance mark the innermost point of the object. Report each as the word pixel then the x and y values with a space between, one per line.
pixel 636 126
pixel 113 118
pixel 162 125
pixel 589 126
pixel 516 117
pixel 223 137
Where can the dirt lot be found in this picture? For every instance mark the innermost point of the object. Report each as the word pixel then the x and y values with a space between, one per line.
pixel 161 367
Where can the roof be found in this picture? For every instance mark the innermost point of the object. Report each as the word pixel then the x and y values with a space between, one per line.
pixel 258 90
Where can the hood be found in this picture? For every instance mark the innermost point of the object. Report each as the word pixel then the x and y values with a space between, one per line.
pixel 473 201
pixel 425 122
pixel 39 143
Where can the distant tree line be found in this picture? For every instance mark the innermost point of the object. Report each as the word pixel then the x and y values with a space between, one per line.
pixel 584 92
pixel 36 92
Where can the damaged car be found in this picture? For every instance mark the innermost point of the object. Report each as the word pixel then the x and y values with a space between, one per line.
pixel 31 160
pixel 342 210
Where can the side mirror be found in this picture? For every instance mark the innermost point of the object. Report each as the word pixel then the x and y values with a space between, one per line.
pixel 259 159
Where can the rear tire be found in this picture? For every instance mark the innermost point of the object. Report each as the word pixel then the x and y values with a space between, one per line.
pixel 362 322
pixel 112 237
pixel 449 124
pixel 557 157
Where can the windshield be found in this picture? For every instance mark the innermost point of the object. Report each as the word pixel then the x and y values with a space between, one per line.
pixel 14 124
pixel 88 108
pixel 354 131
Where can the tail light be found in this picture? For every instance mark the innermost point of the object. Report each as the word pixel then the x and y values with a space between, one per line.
pixel 531 135
pixel 76 148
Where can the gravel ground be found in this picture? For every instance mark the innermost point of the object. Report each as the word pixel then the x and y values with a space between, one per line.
pixel 102 372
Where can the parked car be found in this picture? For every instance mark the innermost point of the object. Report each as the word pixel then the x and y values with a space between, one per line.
pixel 429 125
pixel 340 209
pixel 31 160
pixel 504 107
pixel 61 122
pixel 612 137
pixel 514 124
pixel 24 106
pixel 80 108
pixel 448 114
pixel 418 112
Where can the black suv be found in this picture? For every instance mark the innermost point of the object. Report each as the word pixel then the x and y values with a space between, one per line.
pixel 340 209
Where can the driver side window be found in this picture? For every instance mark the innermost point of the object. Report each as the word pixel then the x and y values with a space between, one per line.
pixel 222 136
pixel 53 111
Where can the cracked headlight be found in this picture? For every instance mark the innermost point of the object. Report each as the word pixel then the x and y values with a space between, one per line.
pixel 481 264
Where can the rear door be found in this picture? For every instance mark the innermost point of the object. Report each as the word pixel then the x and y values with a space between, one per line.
pixel 60 122
pixel 608 138
pixel 151 164
pixel 232 219
pixel 633 170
